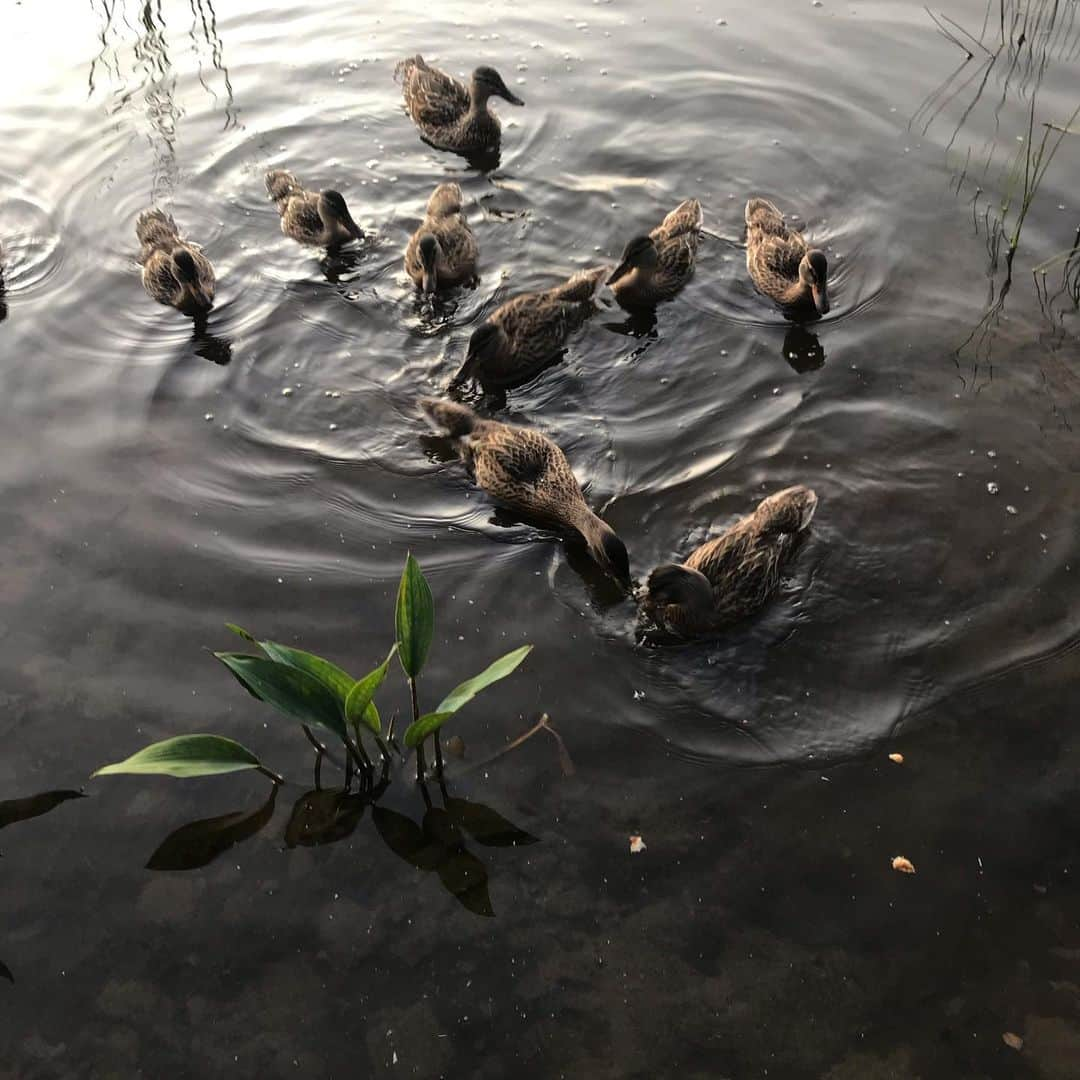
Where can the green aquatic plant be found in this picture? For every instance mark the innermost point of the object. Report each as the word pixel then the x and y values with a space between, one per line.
pixel 321 696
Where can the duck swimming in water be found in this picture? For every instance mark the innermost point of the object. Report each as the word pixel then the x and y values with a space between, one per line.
pixel 523 336
pixel 174 271
pixel 782 265
pixel 318 219
pixel 656 265
pixel 525 471
pixel 450 115
pixel 443 251
pixel 734 575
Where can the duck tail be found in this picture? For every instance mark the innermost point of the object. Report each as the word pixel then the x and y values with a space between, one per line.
pixel 787 512
pixel 280 184
pixel 584 286
pixel 156 229
pixel 448 417
pixel 445 200
pixel 762 214
pixel 404 68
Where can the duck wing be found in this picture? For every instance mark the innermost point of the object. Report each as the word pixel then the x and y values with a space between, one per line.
pixel 301 214
pixel 743 566
pixel 433 98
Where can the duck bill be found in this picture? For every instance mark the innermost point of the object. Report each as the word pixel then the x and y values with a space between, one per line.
pixel 357 232
pixel 512 98
pixel 620 271
pixel 821 299
pixel 429 282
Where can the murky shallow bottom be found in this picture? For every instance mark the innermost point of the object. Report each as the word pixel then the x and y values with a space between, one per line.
pixel 763 931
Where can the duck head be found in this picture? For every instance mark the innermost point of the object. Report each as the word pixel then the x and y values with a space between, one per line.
pixel 487 82
pixel 484 347
pixel 673 583
pixel 332 209
pixel 608 551
pixel 788 511
pixel 639 254
pixel 814 275
pixel 196 294
pixel 429 258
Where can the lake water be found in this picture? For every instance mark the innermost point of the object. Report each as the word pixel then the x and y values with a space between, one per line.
pixel 156 481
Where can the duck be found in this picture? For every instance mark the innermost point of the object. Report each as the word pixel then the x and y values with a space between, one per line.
pixel 318 219
pixel 174 271
pixel 449 115
pixel 526 471
pixel 732 576
pixel 782 265
pixel 656 265
pixel 443 251
pixel 522 336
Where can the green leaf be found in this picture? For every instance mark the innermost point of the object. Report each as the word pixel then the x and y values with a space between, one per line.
pixel 290 690
pixel 186 755
pixel 414 617
pixel 420 729
pixel 491 674
pixel 359 706
pixel 330 675
pixel 241 632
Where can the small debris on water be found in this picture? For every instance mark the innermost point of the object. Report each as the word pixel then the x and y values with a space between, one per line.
pixel 992 488
pixel 455 746
pixel 639 695
pixel 209 416
pixel 905 866
pixel 1010 509
pixel 286 391
pixel 637 845
pixel 1012 1040
pixel 897 759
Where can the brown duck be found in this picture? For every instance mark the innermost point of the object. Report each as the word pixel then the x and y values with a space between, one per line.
pixel 782 265
pixel 315 218
pixel 443 251
pixel 525 471
pixel 174 271
pixel 524 335
pixel 656 265
pixel 734 575
pixel 450 115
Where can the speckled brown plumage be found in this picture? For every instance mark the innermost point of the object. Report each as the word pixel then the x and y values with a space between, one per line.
pixel 456 250
pixel 314 218
pixel 525 471
pixel 741 569
pixel 164 254
pixel 450 115
pixel 521 337
pixel 669 265
pixel 778 261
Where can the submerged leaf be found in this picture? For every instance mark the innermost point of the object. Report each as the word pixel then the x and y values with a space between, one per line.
pixel 484 825
pixel 420 729
pixel 464 693
pixel 359 707
pixel 323 816
pixel 186 755
pixel 289 689
pixel 12 810
pixel 200 842
pixel 5 972
pixel 414 618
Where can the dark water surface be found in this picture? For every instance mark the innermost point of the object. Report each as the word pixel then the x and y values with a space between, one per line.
pixel 156 482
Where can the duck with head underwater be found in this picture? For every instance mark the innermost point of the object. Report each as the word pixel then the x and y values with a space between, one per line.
pixel 525 471
pixel 656 265
pixel 443 251
pixel 449 115
pixel 174 270
pixel 731 577
pixel 782 264
pixel 318 219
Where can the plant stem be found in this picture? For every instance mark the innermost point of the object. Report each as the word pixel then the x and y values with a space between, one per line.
pixel 438 754
pixel 421 766
pixel 311 739
pixel 273 775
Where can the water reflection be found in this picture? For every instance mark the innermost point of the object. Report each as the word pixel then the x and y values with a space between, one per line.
pixel 218 350
pixel 325 815
pixel 5 972
pixel 199 843
pixel 802 349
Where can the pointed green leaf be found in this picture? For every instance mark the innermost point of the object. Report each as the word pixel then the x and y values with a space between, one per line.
pixel 290 690
pixel 491 674
pixel 241 632
pixel 359 706
pixel 420 729
pixel 330 675
pixel 414 617
pixel 186 755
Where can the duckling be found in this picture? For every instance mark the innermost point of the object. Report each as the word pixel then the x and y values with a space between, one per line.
pixel 525 471
pixel 782 265
pixel 174 271
pixel 449 115
pixel 319 219
pixel 655 266
pixel 443 251
pixel 732 576
pixel 521 337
